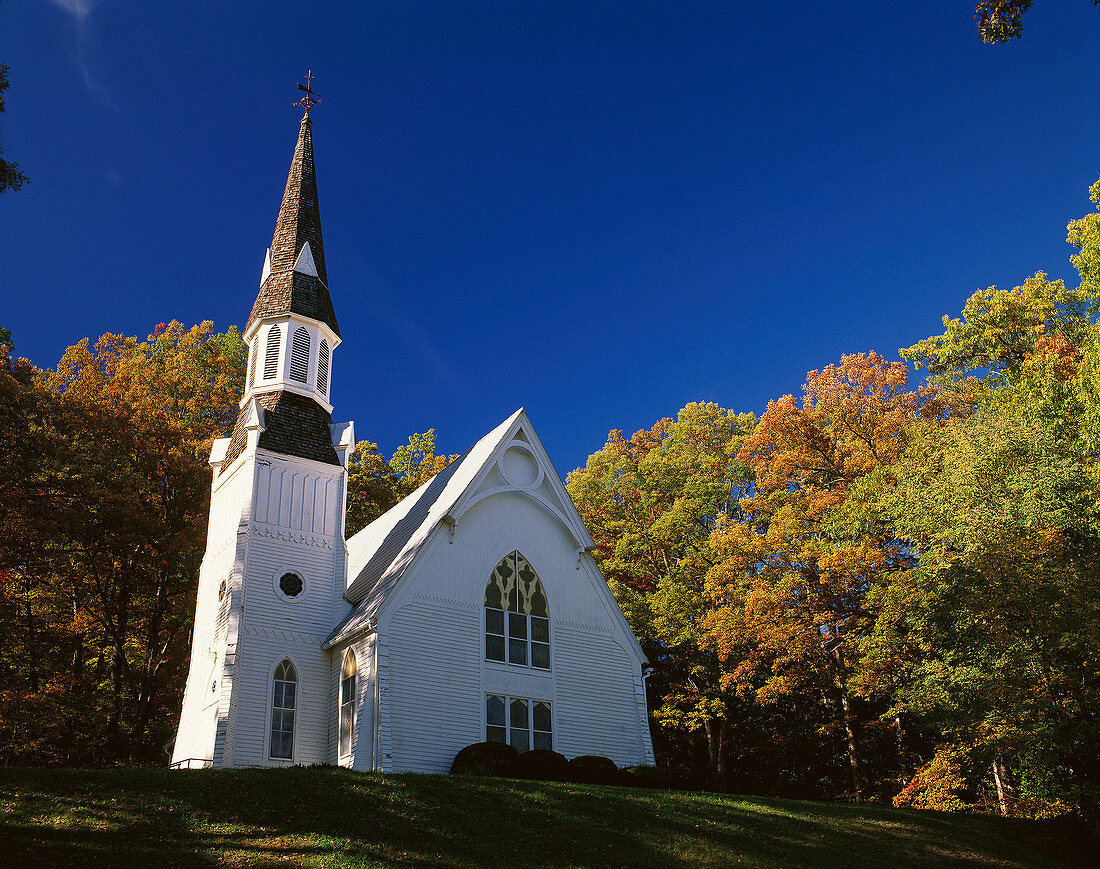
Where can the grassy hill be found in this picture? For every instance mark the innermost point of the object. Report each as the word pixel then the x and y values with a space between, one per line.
pixel 155 819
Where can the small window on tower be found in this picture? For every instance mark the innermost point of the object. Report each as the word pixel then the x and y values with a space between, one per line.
pixel 291 584
pixel 299 356
pixel 271 357
pixel 322 366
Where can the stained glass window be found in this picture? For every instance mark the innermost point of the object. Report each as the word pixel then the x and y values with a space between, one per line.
pixel 290 584
pixel 517 615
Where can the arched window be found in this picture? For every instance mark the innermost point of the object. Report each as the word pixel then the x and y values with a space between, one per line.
pixel 322 366
pixel 517 617
pixel 253 353
pixel 282 711
pixel 347 702
pixel 271 356
pixel 299 356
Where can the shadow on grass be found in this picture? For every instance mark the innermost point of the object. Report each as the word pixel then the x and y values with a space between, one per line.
pixel 156 819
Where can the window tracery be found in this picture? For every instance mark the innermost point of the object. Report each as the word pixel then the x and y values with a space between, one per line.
pixel 517 615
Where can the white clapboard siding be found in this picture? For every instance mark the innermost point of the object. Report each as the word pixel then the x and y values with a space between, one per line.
pixel 204 698
pixel 434 686
pixel 257 659
pixel 595 708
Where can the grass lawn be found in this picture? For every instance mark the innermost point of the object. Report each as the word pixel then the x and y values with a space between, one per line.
pixel 156 819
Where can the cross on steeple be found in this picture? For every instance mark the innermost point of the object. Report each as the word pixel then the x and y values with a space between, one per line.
pixel 310 99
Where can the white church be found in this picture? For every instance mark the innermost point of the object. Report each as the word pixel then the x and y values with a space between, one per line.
pixel 471 611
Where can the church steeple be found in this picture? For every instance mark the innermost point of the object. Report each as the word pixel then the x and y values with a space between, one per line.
pixel 294 278
pixel 292 329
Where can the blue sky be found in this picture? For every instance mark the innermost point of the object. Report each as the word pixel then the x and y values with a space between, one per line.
pixel 599 211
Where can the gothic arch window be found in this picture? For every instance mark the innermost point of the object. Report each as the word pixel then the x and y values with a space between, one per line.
pixel 283 699
pixel 299 355
pixel 517 616
pixel 347 702
pixel 271 354
pixel 322 366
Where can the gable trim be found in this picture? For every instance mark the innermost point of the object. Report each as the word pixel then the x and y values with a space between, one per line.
pixel 457 515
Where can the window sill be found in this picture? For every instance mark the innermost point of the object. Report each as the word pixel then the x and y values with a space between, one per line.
pixel 501 667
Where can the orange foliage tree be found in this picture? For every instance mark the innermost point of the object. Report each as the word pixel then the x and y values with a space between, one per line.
pixel 790 590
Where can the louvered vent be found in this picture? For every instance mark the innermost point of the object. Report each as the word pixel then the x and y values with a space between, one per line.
pixel 299 356
pixel 271 359
pixel 252 364
pixel 322 366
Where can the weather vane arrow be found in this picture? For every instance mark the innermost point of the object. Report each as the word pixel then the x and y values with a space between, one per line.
pixel 309 98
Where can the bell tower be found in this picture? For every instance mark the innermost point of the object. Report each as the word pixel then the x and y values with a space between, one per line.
pixel 272 580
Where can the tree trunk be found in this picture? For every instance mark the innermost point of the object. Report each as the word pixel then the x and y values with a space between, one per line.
pixel 1005 790
pixel 853 748
pixel 905 769
pixel 713 748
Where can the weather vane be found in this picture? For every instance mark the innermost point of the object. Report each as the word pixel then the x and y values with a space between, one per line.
pixel 310 99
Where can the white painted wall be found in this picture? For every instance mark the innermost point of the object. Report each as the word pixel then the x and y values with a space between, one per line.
pixel 432 671
pixel 270 514
pixel 206 697
pixel 296 526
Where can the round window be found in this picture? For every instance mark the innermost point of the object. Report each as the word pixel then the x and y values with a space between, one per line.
pixel 291 584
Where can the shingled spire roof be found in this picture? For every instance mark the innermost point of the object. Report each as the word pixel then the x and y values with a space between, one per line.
pixel 293 282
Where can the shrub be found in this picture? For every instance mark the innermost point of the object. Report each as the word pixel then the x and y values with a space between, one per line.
pixel 938 785
pixel 593 769
pixel 486 758
pixel 542 764
pixel 646 776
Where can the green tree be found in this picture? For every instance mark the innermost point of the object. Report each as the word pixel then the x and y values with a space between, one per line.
pixel 651 503
pixel 993 635
pixel 10 176
pixel 375 484
pixel 1002 20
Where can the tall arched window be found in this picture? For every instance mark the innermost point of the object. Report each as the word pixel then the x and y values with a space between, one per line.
pixel 517 616
pixel 347 702
pixel 271 355
pixel 282 711
pixel 299 355
pixel 322 366
pixel 254 352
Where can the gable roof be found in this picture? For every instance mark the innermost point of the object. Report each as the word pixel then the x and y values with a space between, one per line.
pixel 379 554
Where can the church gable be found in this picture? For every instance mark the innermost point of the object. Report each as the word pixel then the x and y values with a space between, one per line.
pixel 520 464
pixel 510 459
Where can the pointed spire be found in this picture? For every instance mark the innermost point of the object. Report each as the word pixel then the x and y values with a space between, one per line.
pixel 285 290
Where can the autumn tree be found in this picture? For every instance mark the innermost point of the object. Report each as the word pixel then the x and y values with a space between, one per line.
pixel 11 178
pixel 375 484
pixel 651 503
pixel 103 531
pixel 1002 20
pixel 795 569
pixel 999 618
